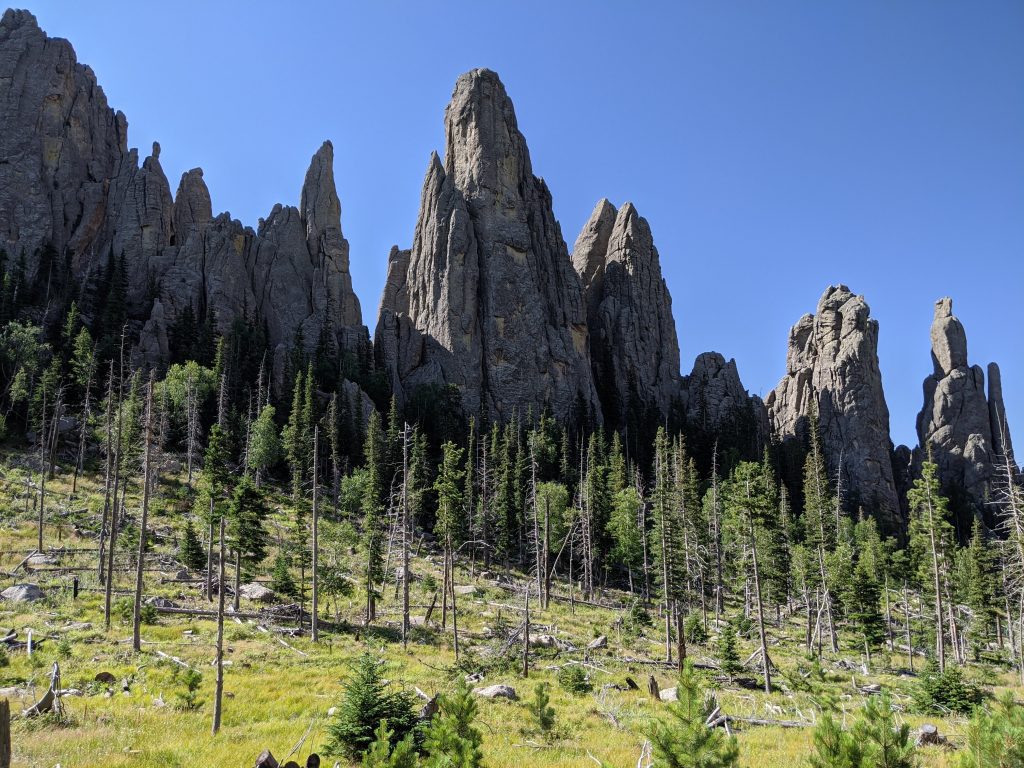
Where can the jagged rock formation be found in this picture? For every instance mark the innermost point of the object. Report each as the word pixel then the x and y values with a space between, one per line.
pixel 713 397
pixel 965 432
pixel 633 344
pixel 832 365
pixel 69 180
pixel 487 299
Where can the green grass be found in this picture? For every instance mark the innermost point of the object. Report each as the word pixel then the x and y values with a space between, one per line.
pixel 275 696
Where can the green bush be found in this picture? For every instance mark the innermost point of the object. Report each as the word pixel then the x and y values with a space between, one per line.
pixel 573 678
pixel 188 698
pixel 942 692
pixel 539 707
pixel 637 618
pixel 995 738
pixel 366 701
pixel 695 630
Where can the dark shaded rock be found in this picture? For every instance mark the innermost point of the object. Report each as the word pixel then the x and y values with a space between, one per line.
pixel 633 345
pixel 266 760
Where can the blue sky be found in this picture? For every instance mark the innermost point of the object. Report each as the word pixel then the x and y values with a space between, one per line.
pixel 774 147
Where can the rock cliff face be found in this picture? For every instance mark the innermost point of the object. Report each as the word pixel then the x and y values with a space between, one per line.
pixel 487 299
pixel 832 363
pixel 965 432
pixel 69 180
pixel 633 344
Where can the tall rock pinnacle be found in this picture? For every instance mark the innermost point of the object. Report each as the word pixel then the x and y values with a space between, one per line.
pixel 964 432
pixel 633 344
pixel 832 363
pixel 487 299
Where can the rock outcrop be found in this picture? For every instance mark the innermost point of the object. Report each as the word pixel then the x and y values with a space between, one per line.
pixel 487 299
pixel 832 365
pixel 68 180
pixel 633 345
pixel 964 431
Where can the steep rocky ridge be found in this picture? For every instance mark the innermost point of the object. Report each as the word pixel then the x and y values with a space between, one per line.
pixel 487 299
pixel 832 365
pixel 633 345
pixel 70 181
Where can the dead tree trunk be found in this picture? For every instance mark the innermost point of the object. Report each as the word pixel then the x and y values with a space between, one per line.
pixel 218 694
pixel 405 538
pixel 147 472
pixel 43 453
pixel 109 472
pixel 5 734
pixel 314 628
pixel 114 512
pixel 526 634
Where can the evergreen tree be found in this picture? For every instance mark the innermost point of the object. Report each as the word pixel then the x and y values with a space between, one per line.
pixel 884 743
pixel 366 702
pixel 192 555
pixel 683 740
pixel 246 534
pixel 264 443
pixel 281 580
pixel 930 542
pixel 373 510
pixel 452 741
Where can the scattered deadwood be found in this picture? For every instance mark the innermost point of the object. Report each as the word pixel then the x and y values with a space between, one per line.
pixel 51 699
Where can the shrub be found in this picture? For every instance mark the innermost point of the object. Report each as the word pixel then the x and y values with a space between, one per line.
pixel 995 738
pixel 193 556
pixel 539 707
pixel 64 649
pixel 366 701
pixel 573 678
pixel 683 740
pixel 188 698
pixel 695 630
pixel 942 692
pixel 637 618
pixel 451 740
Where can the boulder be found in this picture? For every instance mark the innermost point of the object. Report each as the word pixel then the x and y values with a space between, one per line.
pixel 465 589
pixel 598 642
pixel 497 692
pixel 40 558
pixel 23 593
pixel 257 593
pixel 543 641
pixel 669 694
pixel 161 602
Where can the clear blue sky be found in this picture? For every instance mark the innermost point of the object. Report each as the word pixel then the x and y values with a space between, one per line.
pixel 774 147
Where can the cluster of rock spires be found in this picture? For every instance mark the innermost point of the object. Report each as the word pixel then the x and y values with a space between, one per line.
pixel 965 432
pixel 488 300
pixel 69 180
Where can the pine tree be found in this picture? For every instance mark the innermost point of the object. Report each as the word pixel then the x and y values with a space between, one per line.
pixel 281 580
pixel 192 555
pixel 541 710
pixel 264 443
pixel 930 542
pixel 373 511
pixel 366 702
pixel 883 742
pixel 247 537
pixel 451 740
pixel 834 747
pixel 684 740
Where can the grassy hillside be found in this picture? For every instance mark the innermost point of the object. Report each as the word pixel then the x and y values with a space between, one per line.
pixel 280 687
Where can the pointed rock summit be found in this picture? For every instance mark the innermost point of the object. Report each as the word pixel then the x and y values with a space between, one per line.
pixel 486 299
pixel 832 365
pixel 964 431
pixel 633 343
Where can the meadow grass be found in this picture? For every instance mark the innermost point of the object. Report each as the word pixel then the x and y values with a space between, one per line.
pixel 277 697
